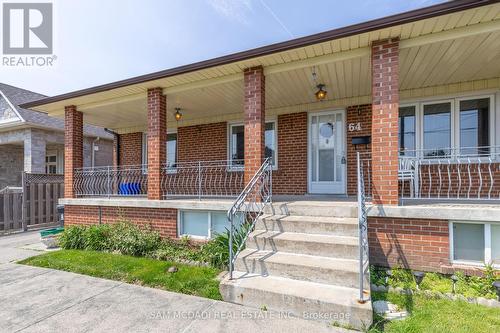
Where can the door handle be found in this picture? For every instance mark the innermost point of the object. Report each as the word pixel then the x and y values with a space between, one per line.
pixel 343 160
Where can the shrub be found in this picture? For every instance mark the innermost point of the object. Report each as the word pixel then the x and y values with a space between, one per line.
pixel 127 238
pixel 72 238
pixel 122 237
pixel 175 250
pixel 96 237
pixel 216 251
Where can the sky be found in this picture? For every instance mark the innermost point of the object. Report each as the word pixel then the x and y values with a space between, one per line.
pixel 101 41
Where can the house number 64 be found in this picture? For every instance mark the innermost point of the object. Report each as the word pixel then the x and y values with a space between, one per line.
pixel 354 127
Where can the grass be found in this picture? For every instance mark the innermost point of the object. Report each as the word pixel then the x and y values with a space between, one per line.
pixel 191 280
pixel 438 315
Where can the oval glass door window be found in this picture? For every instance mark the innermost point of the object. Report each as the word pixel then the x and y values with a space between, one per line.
pixel 326 130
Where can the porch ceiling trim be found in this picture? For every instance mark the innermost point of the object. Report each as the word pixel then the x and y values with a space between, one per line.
pixel 386 22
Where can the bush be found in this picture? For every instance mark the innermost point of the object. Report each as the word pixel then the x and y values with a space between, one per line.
pixel 72 238
pixel 216 251
pixel 96 237
pixel 127 238
pixel 122 237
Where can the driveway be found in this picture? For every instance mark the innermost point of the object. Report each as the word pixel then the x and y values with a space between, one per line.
pixel 44 300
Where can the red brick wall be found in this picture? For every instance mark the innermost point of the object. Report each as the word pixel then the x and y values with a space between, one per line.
pixel 385 99
pixel 157 138
pixel 254 117
pixel 361 114
pixel 420 244
pixel 163 220
pixel 291 176
pixel 205 142
pixel 73 147
pixel 131 148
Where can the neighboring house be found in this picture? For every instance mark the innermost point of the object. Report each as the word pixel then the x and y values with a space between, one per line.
pixel 417 94
pixel 32 141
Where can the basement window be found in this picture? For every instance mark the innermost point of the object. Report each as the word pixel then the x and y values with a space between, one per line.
pixel 202 224
pixel 475 243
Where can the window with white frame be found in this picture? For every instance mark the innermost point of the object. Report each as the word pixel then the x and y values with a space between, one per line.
pixel 475 242
pixel 171 149
pixel 454 126
pixel 406 135
pixel 51 163
pixel 202 224
pixel 237 143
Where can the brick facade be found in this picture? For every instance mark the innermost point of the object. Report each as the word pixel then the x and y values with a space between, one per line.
pixel 420 244
pixel 157 138
pixel 73 147
pixel 131 148
pixel 385 104
pixel 254 118
pixel 163 220
pixel 291 176
pixel 361 114
pixel 207 142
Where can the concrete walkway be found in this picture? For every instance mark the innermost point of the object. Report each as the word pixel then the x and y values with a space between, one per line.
pixel 43 300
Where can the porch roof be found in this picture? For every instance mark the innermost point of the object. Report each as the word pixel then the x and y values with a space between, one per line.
pixel 442 45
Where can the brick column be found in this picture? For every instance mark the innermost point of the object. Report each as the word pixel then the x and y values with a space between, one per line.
pixel 254 108
pixel 73 147
pixel 385 104
pixel 157 140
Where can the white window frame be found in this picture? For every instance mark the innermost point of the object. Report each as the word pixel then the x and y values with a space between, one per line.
pixel 229 132
pixel 179 223
pixel 417 123
pixel 452 121
pixel 491 117
pixel 455 116
pixel 487 244
pixel 144 157
pixel 56 163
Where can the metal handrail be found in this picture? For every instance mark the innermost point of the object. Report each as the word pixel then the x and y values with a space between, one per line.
pixel 364 259
pixel 249 206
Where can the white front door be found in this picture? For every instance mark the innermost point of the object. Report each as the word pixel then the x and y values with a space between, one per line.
pixel 327 160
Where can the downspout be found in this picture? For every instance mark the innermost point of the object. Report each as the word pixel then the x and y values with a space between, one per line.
pixel 117 139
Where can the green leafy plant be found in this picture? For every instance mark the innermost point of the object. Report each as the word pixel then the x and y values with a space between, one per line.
pixel 216 251
pixel 72 238
pixel 96 237
pixel 130 239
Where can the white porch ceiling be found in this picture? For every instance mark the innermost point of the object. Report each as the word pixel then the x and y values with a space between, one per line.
pixel 453 48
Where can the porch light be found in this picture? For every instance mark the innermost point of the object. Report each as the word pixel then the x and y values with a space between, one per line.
pixel 178 114
pixel 321 93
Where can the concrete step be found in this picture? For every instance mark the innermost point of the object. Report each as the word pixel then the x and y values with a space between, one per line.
pixel 343 247
pixel 326 225
pixel 341 272
pixel 315 208
pixel 301 299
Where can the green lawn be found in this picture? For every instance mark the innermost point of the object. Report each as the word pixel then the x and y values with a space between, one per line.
pixel 191 280
pixel 438 315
